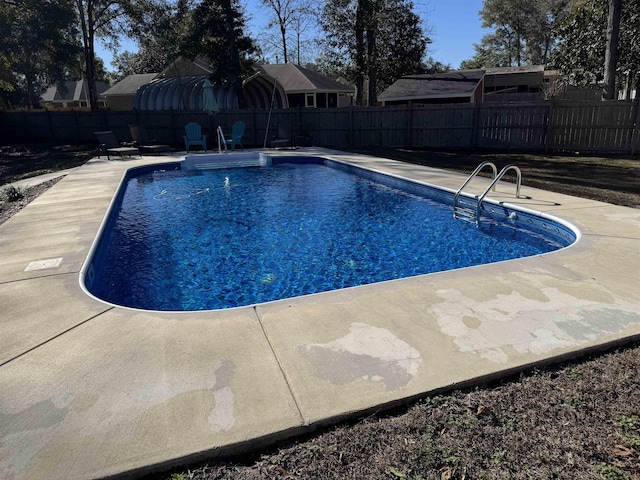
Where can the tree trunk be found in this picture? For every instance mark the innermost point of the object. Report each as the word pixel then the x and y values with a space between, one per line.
pixel 283 34
pixel 372 63
pixel 360 55
pixel 233 50
pixel 611 53
pixel 87 25
pixel 30 94
pixel 29 78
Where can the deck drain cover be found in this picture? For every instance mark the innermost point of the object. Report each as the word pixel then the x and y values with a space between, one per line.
pixel 43 264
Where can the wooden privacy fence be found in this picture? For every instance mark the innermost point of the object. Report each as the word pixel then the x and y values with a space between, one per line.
pixel 586 127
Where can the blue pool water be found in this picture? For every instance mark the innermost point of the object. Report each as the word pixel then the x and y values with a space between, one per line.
pixel 226 238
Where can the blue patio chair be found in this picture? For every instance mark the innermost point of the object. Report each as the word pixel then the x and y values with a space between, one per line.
pixel 236 135
pixel 194 136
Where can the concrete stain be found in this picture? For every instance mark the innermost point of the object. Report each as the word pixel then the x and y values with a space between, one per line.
pixel 366 353
pixel 528 326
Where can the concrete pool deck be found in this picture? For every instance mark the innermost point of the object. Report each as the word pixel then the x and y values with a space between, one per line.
pixel 91 390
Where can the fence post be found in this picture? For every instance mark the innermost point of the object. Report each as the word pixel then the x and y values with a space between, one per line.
pixel 409 139
pixel 636 126
pixel 25 125
pixel 53 135
pixel 173 129
pixel 253 126
pixel 548 133
pixel 75 122
pixel 474 125
pixel 351 125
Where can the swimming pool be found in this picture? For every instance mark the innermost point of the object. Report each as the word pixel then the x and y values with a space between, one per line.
pixel 214 239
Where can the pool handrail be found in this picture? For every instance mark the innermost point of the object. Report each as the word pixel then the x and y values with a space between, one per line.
pixel 496 180
pixel 224 142
pixel 466 213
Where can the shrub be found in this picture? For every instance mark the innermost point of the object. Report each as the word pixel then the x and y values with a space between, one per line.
pixel 12 194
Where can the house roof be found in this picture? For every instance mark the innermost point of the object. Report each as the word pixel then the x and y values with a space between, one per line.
pixel 461 83
pixel 297 79
pixel 130 84
pixel 70 91
pixel 512 70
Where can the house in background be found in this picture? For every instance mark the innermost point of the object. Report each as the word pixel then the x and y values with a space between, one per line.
pixel 470 86
pixel 527 79
pixel 462 86
pixel 71 94
pixel 308 89
pixel 180 87
pixel 120 96
pixel 183 84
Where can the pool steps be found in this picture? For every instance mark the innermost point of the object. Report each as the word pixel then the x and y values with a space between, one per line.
pixel 209 161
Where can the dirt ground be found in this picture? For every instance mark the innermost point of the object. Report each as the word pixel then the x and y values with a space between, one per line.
pixel 578 420
pixel 21 161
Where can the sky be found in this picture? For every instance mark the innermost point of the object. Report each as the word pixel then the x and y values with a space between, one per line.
pixel 455 28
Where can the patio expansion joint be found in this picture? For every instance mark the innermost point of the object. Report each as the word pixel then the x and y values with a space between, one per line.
pixel 54 337
pixel 284 375
pixel 38 277
pixel 607 235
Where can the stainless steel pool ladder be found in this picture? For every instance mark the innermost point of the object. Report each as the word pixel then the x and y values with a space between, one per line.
pixel 463 212
pixel 473 215
pixel 221 140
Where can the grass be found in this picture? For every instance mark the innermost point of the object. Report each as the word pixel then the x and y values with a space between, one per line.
pixel 608 179
pixel 578 420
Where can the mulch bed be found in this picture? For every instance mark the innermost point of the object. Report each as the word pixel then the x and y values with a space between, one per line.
pixel 21 161
pixel 9 209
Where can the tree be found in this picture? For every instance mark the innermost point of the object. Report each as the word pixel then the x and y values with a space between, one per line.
pixel 492 51
pixel 611 52
pixel 510 18
pixel 523 33
pixel 431 65
pixel 164 31
pixel 288 17
pixel 378 40
pixel 39 43
pixel 402 43
pixel 304 44
pixel 216 31
pixel 542 36
pixel 160 29
pixel 581 52
pixel 108 20
pixel 6 75
pixel 98 18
